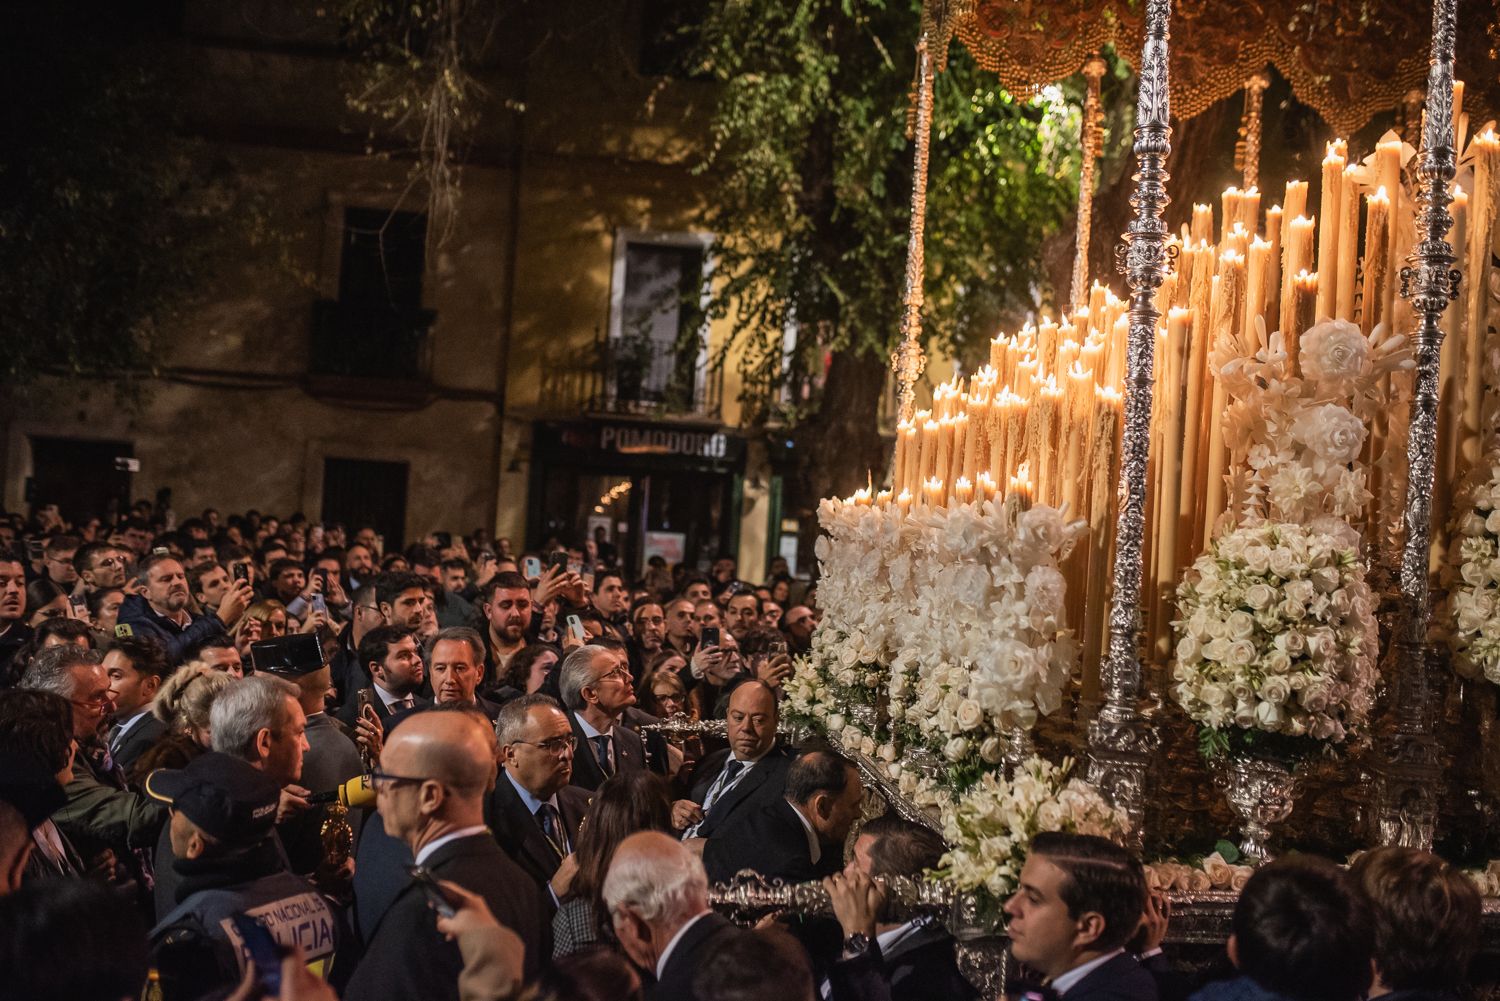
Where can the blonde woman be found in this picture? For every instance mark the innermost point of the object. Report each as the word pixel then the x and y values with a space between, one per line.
pixel 263 620
pixel 183 703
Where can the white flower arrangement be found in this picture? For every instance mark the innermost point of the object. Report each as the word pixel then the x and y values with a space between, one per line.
pixel 1472 610
pixel 990 826
pixel 950 619
pixel 1277 634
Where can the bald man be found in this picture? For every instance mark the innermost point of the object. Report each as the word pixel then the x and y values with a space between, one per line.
pixel 435 772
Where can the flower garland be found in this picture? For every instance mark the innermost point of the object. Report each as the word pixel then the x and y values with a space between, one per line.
pixel 951 620
pixel 990 826
pixel 1212 872
pixel 1277 635
pixel 1472 610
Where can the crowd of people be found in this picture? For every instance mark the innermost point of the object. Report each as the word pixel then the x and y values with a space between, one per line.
pixel 251 757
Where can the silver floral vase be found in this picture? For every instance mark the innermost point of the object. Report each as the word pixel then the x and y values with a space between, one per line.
pixel 1262 792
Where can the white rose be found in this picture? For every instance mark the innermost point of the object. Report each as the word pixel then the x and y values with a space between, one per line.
pixel 1275 690
pixel 1492 523
pixel 1283 562
pixel 1268 717
pixel 836 721
pixel 1332 432
pixel 1241 626
pixel 956 749
pixel 1213 696
pixel 1259 596
pixel 1219 871
pixel 1241 653
pixel 1334 351
pixel 992 750
pixel 1257 558
pixel 969 714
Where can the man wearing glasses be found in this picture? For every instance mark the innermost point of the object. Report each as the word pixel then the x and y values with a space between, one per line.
pixel 596 689
pixel 101 566
pixel 435 772
pixel 349 675
pixel 534 812
pixel 102 816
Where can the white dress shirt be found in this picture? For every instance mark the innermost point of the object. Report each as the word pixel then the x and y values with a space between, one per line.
pixel 436 843
pixel 666 954
pixel 814 846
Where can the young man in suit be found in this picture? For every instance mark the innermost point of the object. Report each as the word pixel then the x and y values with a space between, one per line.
pixel 798 837
pixel 136 668
pixel 434 774
pixel 394 663
pixel 1300 932
pixel 596 689
pixel 657 895
pixel 534 813
pixel 747 775
pixel 1080 900
pixel 913 960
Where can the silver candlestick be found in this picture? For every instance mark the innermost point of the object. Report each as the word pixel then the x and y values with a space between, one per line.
pixel 1408 771
pixel 1120 742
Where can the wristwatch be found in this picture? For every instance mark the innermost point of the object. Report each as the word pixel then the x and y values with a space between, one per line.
pixel 856 945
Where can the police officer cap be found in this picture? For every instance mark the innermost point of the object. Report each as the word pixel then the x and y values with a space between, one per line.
pixel 228 799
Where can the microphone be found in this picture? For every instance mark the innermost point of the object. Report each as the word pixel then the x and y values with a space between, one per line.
pixel 357 792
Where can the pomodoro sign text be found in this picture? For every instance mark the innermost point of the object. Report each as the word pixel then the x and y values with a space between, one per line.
pixel 664 441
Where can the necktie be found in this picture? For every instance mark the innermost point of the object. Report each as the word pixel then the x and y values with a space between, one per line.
pixel 405 703
pixel 113 740
pixel 550 822
pixel 601 751
pixel 732 769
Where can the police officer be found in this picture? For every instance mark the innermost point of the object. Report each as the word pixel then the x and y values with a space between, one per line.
pixel 232 878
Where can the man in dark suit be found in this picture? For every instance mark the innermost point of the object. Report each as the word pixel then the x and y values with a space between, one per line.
pixel 457 657
pixel 657 895
pixel 136 668
pixel 596 689
pixel 1080 900
pixel 534 813
pixel 798 837
pixel 391 657
pixel 913 961
pixel 740 779
pixel 431 785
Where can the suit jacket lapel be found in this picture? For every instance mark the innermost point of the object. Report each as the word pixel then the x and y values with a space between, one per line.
pixel 744 787
pixel 523 829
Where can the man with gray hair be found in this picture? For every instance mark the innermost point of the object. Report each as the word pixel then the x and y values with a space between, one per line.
pixel 596 689
pixel 102 815
pixel 260 721
pixel 657 895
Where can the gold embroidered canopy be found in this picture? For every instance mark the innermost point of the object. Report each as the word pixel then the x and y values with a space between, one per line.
pixel 1347 59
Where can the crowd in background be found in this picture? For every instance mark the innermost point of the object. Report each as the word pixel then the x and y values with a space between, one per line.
pixel 252 757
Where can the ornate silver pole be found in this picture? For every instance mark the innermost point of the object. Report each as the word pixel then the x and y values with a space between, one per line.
pixel 1093 70
pixel 1120 742
pixel 908 359
pixel 1406 803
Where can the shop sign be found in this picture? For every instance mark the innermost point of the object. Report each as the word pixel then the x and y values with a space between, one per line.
pixel 644 440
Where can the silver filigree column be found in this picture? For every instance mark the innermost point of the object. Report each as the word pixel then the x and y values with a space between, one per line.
pixel 1408 770
pixel 908 359
pixel 1120 740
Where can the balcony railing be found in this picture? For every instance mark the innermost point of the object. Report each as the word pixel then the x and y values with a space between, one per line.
pixel 371 342
pixel 634 376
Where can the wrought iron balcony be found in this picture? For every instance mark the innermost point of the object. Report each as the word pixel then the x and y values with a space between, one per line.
pixel 635 376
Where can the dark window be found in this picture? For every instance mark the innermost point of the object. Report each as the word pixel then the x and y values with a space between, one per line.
pixel 377 328
pixel 84 478
pixel 360 492
pixel 655 359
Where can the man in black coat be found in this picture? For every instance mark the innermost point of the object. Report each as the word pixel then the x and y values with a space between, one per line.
pixel 136 669
pixel 798 837
pixel 390 656
pixel 914 960
pixel 1080 900
pixel 657 895
pixel 457 664
pixel 161 612
pixel 534 813
pixel 596 689
pixel 745 776
pixel 431 785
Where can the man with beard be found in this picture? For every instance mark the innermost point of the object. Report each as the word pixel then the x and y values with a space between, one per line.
pixel 506 603
pixel 390 656
pixel 611 601
pixel 14 633
pixel 648 630
pixel 161 611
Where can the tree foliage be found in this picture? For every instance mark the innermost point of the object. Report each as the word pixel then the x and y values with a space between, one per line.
pixel 109 218
pixel 811 169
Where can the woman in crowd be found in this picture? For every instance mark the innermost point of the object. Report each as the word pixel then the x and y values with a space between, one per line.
pixel 183 704
pixel 528 669
pixel 626 803
pixel 44 600
pixel 663 694
pixel 104 609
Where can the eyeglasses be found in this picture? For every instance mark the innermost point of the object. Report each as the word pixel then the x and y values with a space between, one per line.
pixel 93 702
pixel 555 745
pixel 622 672
pixel 367 608
pixel 379 778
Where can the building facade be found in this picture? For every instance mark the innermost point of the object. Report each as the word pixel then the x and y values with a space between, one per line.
pixel 532 363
